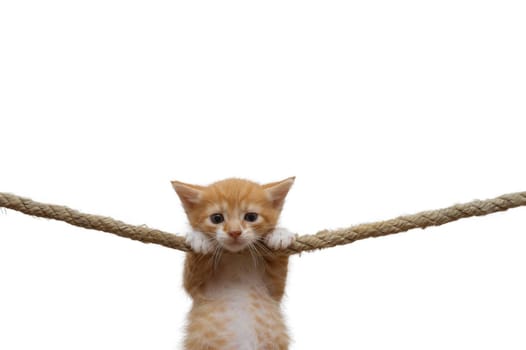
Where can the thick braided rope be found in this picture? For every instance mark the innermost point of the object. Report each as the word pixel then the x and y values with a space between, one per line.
pixel 93 222
pixel 322 239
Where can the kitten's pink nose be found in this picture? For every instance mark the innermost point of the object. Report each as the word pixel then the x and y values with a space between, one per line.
pixel 234 234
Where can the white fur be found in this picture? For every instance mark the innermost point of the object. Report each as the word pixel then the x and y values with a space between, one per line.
pixel 200 242
pixel 236 277
pixel 280 238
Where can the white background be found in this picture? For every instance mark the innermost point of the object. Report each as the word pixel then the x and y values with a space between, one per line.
pixel 380 108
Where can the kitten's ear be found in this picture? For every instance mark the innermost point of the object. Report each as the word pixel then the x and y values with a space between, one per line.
pixel 190 195
pixel 277 191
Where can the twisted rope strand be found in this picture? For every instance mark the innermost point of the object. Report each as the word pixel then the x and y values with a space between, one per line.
pixel 322 239
pixel 92 222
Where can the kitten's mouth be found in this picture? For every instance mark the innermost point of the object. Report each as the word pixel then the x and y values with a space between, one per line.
pixel 234 245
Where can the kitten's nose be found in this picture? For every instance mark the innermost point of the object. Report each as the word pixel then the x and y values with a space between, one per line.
pixel 234 234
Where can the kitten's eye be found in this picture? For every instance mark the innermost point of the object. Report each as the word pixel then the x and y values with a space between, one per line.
pixel 251 217
pixel 217 218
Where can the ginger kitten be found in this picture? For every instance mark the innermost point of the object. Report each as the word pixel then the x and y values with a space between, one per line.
pixel 235 287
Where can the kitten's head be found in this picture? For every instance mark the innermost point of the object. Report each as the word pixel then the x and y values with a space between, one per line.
pixel 234 212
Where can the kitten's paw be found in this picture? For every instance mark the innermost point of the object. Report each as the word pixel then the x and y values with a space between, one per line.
pixel 199 242
pixel 280 238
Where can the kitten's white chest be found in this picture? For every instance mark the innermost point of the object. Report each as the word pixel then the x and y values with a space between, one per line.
pixel 249 312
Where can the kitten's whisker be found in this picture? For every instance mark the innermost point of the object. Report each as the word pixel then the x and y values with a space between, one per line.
pixel 261 244
pixel 263 250
pixel 257 253
pixel 218 252
pixel 260 255
pixel 252 255
pixel 215 260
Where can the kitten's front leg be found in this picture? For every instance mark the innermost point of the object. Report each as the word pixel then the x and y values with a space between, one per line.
pixel 280 238
pixel 200 242
pixel 277 265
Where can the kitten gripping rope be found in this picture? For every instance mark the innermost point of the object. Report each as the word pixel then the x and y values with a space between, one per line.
pixel 237 259
pixel 322 239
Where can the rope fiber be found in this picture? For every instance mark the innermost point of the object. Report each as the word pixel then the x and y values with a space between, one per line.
pixel 322 239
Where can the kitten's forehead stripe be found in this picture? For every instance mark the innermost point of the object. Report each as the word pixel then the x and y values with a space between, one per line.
pixel 215 208
pixel 253 208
